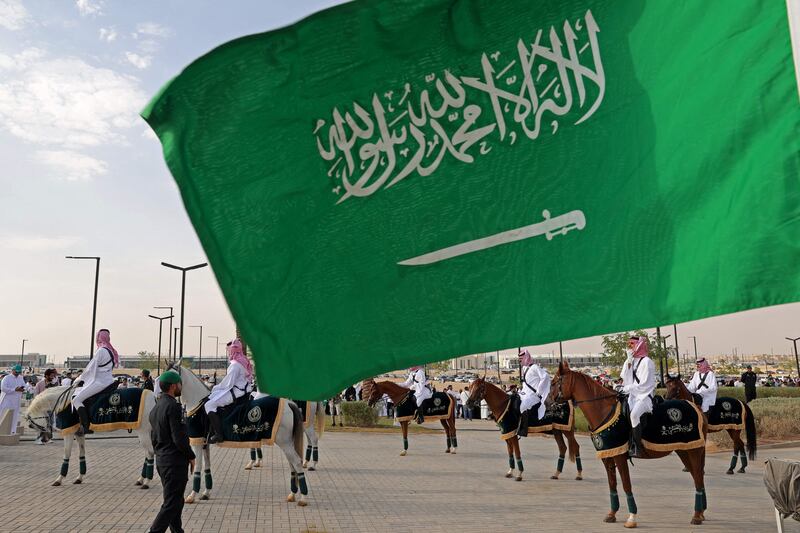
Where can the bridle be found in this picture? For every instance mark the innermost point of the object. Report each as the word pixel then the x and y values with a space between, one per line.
pixel 560 396
pixel 48 416
pixel 480 391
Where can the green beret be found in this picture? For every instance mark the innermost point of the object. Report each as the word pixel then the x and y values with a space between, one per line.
pixel 17 369
pixel 169 377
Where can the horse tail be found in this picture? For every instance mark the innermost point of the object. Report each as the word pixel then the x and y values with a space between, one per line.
pixel 750 431
pixel 297 428
pixel 320 420
pixel 572 445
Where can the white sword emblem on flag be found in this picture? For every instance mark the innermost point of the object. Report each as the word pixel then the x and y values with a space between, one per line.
pixel 549 227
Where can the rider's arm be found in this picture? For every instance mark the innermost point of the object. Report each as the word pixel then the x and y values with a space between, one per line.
pixel 227 383
pixel 408 382
pixel 692 385
pixel 711 381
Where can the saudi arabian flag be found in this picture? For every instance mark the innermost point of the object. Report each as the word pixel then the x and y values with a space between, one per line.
pixel 391 182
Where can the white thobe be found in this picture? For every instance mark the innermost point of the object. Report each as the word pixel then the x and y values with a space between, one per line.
pixel 706 386
pixel 419 384
pixel 535 387
pixel 95 377
pixel 10 398
pixel 235 382
pixel 66 382
pixel 639 388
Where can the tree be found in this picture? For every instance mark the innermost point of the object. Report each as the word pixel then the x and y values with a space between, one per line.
pixel 441 366
pixel 615 346
pixel 148 360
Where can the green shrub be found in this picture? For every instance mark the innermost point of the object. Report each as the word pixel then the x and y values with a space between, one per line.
pixel 359 414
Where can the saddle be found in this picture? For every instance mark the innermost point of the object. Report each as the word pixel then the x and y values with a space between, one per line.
pixel 109 410
pixel 438 407
pixel 246 423
pixel 108 390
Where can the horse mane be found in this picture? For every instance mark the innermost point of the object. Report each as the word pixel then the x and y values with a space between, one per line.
pixel 45 401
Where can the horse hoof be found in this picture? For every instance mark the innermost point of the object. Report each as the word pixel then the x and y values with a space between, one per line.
pixel 302 503
pixel 741 471
pixel 248 467
pixel 138 483
pixel 311 468
pixel 205 497
pixel 696 522
pixel 290 498
pixel 144 487
pixel 518 478
pixel 578 477
pixel 403 453
pixel 509 475
pixel 609 519
pixel 188 499
pixel 685 469
pixel 77 482
pixel 630 525
pixel 730 472
pixel 554 476
pixel 447 450
pixel 305 464
pixel 56 484
pixel 453 452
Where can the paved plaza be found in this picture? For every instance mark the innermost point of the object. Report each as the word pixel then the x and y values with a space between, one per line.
pixel 364 485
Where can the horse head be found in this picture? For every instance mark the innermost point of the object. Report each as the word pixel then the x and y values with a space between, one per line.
pixel 674 387
pixel 477 390
pixel 562 385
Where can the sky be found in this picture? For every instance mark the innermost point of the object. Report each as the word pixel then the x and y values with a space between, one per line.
pixel 81 174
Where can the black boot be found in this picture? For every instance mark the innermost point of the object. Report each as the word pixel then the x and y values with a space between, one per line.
pixel 522 431
pixel 216 429
pixel 83 415
pixel 635 447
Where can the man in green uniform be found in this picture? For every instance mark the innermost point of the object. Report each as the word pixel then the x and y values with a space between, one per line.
pixel 174 456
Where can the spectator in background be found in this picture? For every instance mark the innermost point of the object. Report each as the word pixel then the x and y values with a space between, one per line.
pixel 333 407
pixel 50 380
pixel 749 379
pixel 466 412
pixel 350 394
pixel 147 381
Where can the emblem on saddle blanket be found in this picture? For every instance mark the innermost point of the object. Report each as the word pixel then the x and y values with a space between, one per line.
pixel 109 411
pixel 248 425
pixel 673 425
pixel 437 407
pixel 726 413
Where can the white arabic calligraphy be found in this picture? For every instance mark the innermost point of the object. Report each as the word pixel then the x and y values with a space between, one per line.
pixel 409 131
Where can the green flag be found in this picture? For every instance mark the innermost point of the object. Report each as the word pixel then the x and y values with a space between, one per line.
pixel 402 181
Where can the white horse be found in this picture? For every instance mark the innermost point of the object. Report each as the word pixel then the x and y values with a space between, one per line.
pixel 313 431
pixel 41 414
pixel 289 438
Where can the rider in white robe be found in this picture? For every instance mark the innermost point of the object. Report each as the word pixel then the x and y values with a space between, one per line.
pixel 235 385
pixel 638 382
pixel 11 388
pixel 418 382
pixel 96 377
pixel 704 383
pixel 535 388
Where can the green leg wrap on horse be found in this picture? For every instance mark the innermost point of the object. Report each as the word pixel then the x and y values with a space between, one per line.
pixel 196 482
pixel 315 454
pixel 294 483
pixel 578 463
pixel 511 462
pixel 209 479
pixel 259 453
pixel 705 502
pixel 744 459
pixel 560 465
pixel 405 444
pixel 144 469
pixel 150 467
pixel 65 467
pixel 82 466
pixel 698 502
pixel 631 503
pixel 733 461
pixel 301 478
pixel 252 454
pixel 519 466
pixel 308 452
pixel 614 500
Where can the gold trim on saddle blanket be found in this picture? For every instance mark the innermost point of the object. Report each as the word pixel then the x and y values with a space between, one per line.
pixel 721 427
pixel 113 426
pixel 199 441
pixel 432 417
pixel 613 452
pixel 676 446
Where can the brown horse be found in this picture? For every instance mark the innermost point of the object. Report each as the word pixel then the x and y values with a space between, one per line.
pixel 598 405
pixel 676 389
pixel 497 400
pixel 374 390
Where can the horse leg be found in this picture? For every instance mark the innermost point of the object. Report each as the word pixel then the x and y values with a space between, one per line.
pixel 611 472
pixel 259 457
pixel 209 481
pixel 510 448
pixel 453 432
pixel 82 459
pixel 742 449
pixel 562 450
pixel 518 456
pixel 249 465
pixel 68 440
pixel 298 479
pixel 446 434
pixel 198 466
pixel 404 427
pixel 622 465
pixel 696 459
pixel 575 454
pixel 737 445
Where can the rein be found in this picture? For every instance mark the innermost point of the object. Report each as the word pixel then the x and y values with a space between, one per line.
pixel 560 398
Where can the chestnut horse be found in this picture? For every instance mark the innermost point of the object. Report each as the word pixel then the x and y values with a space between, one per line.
pixel 676 389
pixel 497 400
pixel 374 390
pixel 598 404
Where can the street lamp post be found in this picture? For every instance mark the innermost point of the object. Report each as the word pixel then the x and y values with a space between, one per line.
pixel 216 348
pixel 175 341
pixel 22 353
pixel 560 352
pixel 200 353
pixel 796 360
pixel 161 320
pixel 171 315
pixel 677 351
pixel 183 270
pixel 94 307
pixel 695 347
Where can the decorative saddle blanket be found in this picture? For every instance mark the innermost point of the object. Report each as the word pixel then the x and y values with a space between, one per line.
pixel 611 438
pixel 727 413
pixel 108 411
pixel 440 406
pixel 247 424
pixel 560 416
pixel 674 425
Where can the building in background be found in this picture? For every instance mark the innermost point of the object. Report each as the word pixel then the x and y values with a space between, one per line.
pixel 135 361
pixel 33 360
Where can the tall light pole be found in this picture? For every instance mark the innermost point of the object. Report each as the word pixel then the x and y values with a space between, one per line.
pixel 677 351
pixel 183 270
pixel 560 352
pixel 175 348
pixel 94 307
pixel 171 314
pixel 161 320
pixel 216 348
pixel 665 354
pixel 796 360
pixel 22 353
pixel 200 354
pixel 695 346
